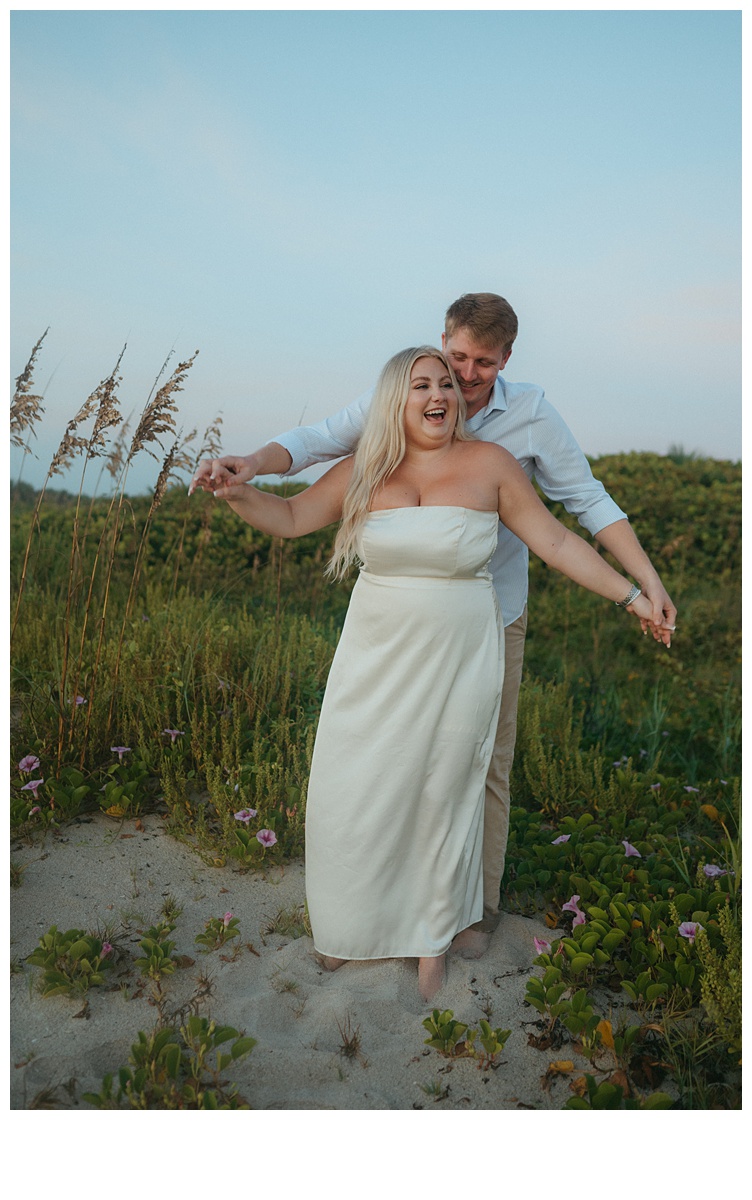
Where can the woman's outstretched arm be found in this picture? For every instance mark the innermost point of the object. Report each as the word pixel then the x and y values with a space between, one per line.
pixel 319 505
pixel 524 513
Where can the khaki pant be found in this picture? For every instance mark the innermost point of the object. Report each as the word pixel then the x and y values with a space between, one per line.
pixel 496 820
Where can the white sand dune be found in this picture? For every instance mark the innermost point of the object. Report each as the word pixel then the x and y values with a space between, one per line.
pixel 96 874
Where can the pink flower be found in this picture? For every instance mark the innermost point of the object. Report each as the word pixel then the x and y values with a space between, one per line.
pixel 246 814
pixel 630 851
pixel 655 787
pixel 80 700
pixel 174 733
pixel 687 788
pixel 226 919
pixel 34 810
pixel 573 905
pixel 541 945
pixel 120 751
pixel 712 871
pixel 564 837
pixel 32 785
pixel 28 763
pixel 690 930
pixel 106 949
pixel 267 837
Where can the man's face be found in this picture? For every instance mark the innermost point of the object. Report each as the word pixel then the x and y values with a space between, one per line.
pixel 475 366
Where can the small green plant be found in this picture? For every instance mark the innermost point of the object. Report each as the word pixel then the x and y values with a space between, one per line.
pixel 71 962
pixel 454 1039
pixel 446 1035
pixel 68 792
pixel 177 1069
pixel 171 910
pixel 435 1091
pixel 16 874
pixel 218 931
pixel 492 1042
pixel 610 1095
pixel 157 959
pixel 721 983
pixel 290 922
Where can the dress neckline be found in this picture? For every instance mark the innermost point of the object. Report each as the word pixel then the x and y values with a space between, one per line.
pixel 489 512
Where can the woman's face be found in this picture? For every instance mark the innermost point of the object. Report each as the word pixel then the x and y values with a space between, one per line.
pixel 431 409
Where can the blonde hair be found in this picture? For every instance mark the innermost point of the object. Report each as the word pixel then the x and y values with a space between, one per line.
pixel 382 448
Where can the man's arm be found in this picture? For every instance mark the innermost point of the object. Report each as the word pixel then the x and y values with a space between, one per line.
pixel 564 474
pixel 290 452
pixel 620 540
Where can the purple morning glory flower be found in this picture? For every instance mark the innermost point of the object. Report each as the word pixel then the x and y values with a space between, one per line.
pixel 120 751
pixel 564 837
pixel 174 733
pixel 267 837
pixel 245 814
pixel 32 785
pixel 573 905
pixel 28 763
pixel 688 788
pixel 712 871
pixel 689 930
pixel 630 851
pixel 541 945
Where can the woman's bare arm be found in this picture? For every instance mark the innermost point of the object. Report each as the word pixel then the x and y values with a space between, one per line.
pixel 319 505
pixel 524 513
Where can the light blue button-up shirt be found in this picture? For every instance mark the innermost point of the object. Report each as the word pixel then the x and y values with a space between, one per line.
pixel 517 417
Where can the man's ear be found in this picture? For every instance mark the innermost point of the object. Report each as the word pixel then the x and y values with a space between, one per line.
pixel 443 341
pixel 505 359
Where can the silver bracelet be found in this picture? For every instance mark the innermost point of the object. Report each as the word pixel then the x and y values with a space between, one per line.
pixel 631 596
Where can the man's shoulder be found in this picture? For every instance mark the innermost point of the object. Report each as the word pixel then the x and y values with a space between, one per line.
pixel 519 395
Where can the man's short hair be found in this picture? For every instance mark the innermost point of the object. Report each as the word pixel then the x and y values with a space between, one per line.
pixel 489 319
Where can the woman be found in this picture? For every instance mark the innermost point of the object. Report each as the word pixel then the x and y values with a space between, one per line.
pixel 394 819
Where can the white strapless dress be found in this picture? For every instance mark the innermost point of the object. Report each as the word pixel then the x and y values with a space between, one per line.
pixel 394 824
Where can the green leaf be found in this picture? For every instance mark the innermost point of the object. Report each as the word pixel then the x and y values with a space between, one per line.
pixel 613 939
pixel 243 1046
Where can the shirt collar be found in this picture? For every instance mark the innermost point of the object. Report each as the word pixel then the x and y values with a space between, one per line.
pixel 497 402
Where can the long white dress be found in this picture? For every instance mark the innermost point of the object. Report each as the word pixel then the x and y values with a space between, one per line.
pixel 394 824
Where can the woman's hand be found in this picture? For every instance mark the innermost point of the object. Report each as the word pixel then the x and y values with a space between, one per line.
pixel 642 608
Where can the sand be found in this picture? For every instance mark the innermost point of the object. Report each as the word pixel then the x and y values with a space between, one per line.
pixel 97 873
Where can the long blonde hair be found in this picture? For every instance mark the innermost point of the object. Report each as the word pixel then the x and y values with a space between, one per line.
pixel 382 448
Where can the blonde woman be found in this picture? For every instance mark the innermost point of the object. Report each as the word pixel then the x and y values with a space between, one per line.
pixel 394 825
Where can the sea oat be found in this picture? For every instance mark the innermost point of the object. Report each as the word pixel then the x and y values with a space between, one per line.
pixel 25 409
pixel 102 402
pixel 116 456
pixel 157 417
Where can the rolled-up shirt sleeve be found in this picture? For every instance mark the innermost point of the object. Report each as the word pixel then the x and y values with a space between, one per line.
pixel 333 438
pixel 563 472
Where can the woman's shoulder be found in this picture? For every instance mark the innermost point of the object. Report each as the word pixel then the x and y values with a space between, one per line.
pixel 488 454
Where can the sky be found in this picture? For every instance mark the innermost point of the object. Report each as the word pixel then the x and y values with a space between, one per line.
pixel 299 194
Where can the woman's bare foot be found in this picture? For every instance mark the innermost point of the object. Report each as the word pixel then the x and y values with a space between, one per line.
pixel 431 976
pixel 471 943
pixel 329 963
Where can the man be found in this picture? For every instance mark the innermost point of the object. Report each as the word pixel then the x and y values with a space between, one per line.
pixel 480 330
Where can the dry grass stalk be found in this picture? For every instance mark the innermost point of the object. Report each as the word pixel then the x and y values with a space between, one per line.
pixel 25 408
pixel 102 403
pixel 157 417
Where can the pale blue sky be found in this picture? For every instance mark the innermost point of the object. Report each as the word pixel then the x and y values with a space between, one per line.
pixel 301 194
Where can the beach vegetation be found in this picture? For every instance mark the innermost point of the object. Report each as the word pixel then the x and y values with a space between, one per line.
pixel 70 962
pixel 167 658
pixel 177 1068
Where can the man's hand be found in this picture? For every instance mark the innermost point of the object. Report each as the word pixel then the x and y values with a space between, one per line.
pixel 662 622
